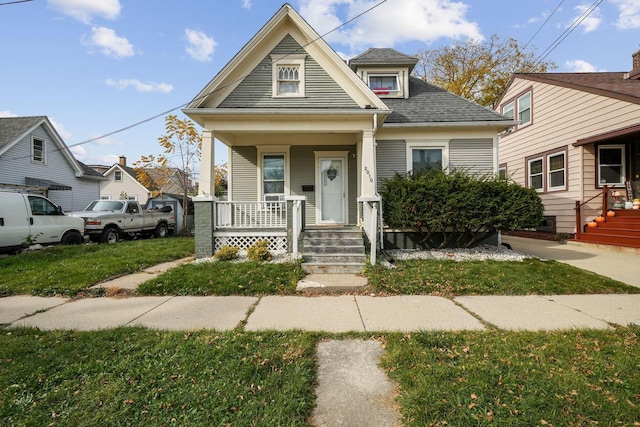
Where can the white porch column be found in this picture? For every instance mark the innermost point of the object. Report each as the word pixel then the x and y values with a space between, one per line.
pixel 207 161
pixel 368 164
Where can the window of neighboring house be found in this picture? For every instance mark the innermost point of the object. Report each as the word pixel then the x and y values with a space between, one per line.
pixel 117 175
pixel 502 172
pixel 105 197
pixel 556 171
pixel 611 168
pixel 524 109
pixel 384 84
pixel 37 150
pixel 519 109
pixel 288 76
pixel 273 177
pixel 134 197
pixel 536 176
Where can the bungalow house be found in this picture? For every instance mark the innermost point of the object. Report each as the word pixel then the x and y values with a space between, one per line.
pixel 577 142
pixel 310 137
pixel 34 158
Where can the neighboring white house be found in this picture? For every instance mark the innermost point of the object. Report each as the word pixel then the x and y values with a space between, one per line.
pixel 302 125
pixel 121 181
pixel 34 158
pixel 576 133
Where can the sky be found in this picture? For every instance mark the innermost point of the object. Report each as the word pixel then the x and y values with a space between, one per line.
pixel 98 66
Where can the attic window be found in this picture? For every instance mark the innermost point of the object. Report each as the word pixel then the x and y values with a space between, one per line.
pixel 384 84
pixel 37 150
pixel 288 76
pixel 118 176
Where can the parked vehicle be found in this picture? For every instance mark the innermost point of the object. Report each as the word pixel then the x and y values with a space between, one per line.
pixel 27 219
pixel 107 221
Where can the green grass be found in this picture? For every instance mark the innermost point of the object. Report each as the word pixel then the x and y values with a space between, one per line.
pixel 226 278
pixel 451 278
pixel 516 378
pixel 68 270
pixel 140 377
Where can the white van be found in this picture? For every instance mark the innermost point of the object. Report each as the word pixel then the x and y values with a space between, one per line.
pixel 29 219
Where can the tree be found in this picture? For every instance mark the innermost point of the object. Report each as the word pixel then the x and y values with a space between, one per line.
pixel 478 70
pixel 173 170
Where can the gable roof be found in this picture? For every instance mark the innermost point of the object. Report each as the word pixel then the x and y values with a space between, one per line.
pixel 610 84
pixel 285 20
pixel 15 129
pixel 383 56
pixel 428 103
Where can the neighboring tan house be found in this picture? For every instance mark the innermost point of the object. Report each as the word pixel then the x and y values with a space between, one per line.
pixel 310 133
pixel 578 134
pixel 34 158
pixel 122 181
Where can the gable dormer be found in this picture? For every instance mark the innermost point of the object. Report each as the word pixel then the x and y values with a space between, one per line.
pixel 386 71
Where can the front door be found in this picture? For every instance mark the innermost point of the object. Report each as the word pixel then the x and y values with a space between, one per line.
pixel 332 183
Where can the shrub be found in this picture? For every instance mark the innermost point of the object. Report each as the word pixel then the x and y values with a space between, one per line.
pixel 458 207
pixel 259 251
pixel 227 253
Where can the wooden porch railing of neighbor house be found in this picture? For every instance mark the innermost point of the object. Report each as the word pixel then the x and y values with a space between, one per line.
pixel 247 215
pixel 370 206
pixel 578 208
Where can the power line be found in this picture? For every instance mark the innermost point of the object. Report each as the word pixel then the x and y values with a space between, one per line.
pixel 131 126
pixel 14 2
pixel 568 31
pixel 543 24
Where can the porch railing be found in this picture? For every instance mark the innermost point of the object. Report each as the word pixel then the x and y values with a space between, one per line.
pixel 604 193
pixel 250 215
pixel 370 224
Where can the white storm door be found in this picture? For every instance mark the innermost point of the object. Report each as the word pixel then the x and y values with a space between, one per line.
pixel 332 186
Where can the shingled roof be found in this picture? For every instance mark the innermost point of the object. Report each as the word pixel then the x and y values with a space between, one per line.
pixel 11 128
pixel 610 84
pixel 383 56
pixel 431 104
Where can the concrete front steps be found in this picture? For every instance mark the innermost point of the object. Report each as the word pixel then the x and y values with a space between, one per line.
pixel 620 230
pixel 333 250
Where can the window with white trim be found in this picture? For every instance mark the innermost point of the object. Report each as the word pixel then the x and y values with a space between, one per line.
pixel 117 176
pixel 611 165
pixel 384 84
pixel 536 175
pixel 105 197
pixel 37 150
pixel 288 76
pixel 556 168
pixel 524 109
pixel 425 156
pixel 507 109
pixel 273 177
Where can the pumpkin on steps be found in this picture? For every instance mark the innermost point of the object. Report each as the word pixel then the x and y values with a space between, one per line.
pixel 600 219
pixel 611 214
pixel 592 224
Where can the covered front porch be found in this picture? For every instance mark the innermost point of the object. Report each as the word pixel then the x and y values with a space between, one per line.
pixel 320 173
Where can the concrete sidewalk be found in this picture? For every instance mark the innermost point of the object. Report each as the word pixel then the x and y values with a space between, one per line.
pixel 343 313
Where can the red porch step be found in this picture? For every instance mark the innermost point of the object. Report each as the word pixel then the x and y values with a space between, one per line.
pixel 620 230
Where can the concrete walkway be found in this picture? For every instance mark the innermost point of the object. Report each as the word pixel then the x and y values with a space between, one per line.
pixel 342 313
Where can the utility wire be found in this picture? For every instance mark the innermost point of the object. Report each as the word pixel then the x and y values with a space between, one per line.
pixel 131 126
pixel 543 24
pixel 568 31
pixel 14 2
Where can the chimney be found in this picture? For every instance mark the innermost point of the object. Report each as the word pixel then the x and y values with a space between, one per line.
pixel 635 72
pixel 123 161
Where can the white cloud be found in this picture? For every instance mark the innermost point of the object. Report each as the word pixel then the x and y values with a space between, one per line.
pixel 591 22
pixel 64 133
pixel 389 23
pixel 580 66
pixel 104 141
pixel 246 4
pixel 200 46
pixel 85 10
pixel 110 43
pixel 629 17
pixel 140 86
pixel 80 153
pixel 7 113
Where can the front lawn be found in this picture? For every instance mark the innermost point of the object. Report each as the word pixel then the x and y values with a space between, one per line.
pixel 68 270
pixel 226 278
pixel 453 278
pixel 575 378
pixel 133 376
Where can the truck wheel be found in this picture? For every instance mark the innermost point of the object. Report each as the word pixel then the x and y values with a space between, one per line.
pixel 110 235
pixel 72 238
pixel 161 231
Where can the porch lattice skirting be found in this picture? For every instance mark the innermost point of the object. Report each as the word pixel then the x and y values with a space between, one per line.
pixel 276 243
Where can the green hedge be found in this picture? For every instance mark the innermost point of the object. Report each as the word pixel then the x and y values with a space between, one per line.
pixel 457 207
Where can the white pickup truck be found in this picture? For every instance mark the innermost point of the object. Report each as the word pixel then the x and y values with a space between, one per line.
pixel 107 221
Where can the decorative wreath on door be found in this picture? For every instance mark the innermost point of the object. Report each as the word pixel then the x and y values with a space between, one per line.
pixel 332 173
